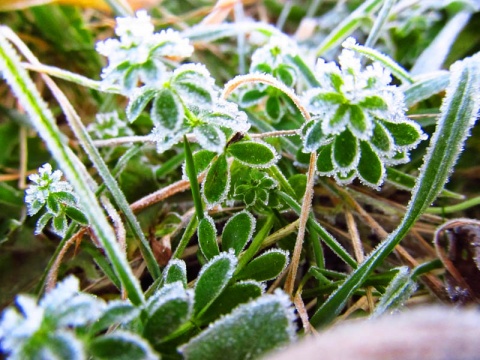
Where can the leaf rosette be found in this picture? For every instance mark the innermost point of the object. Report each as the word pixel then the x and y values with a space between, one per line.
pixel 359 124
pixel 140 55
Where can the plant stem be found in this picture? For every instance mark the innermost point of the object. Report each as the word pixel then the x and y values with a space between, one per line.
pixel 192 176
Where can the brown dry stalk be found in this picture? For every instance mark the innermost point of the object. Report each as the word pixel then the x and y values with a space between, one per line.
pixel 305 212
pixel 53 273
pixel 302 313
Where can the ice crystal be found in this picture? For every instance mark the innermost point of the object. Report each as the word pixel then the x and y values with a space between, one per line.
pixel 139 54
pixel 45 183
pixel 359 120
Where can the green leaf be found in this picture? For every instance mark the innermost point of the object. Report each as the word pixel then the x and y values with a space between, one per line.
pixel 398 291
pixel 238 231
pixel 216 183
pixel 116 313
pixel 121 345
pixel 169 308
pixel 213 279
pixel 138 102
pixel 60 224
pixel 286 74
pixel 373 102
pixel 314 136
pixel 202 159
pixel 52 205
pixel 60 345
pixel 210 137
pixel 265 267
pixel 425 86
pixel 274 109
pixel 65 197
pixel 404 134
pixel 253 153
pixel 176 270
pixel 207 237
pixel 42 222
pixel 358 122
pixel 167 110
pixel 250 331
pixel 338 121
pixel 234 295
pixel 324 160
pixel 345 150
pixel 370 168
pixel 251 98
pixel 194 85
pixel 381 139
pixel 298 182
pixel 76 215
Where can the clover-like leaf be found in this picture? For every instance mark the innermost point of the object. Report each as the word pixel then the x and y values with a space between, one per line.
pixel 176 270
pixel 121 345
pixel 265 267
pixel 216 184
pixel 238 231
pixel 238 293
pixel 250 331
pixel 207 237
pixel 194 85
pixel 253 153
pixel 139 101
pixel 167 110
pixel 213 279
pixel 167 310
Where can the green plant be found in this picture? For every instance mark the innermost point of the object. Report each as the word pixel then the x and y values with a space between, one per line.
pixel 267 155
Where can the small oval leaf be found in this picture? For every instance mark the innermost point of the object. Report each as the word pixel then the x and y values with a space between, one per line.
pixel 121 345
pixel 213 279
pixel 324 160
pixel 345 150
pixel 216 183
pixel 253 153
pixel 265 267
pixel 138 102
pixel 176 270
pixel 207 237
pixel 238 231
pixel 370 168
pixel 167 110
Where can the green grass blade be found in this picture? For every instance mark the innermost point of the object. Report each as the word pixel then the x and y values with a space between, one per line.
pixel 44 123
pixel 379 22
pixel 347 26
pixel 425 86
pixel 458 114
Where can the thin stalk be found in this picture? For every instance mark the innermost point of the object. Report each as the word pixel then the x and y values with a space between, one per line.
pixel 87 144
pixel 256 243
pixel 324 235
pixel 71 77
pixel 192 176
pixel 379 22
pixel 454 208
pixel 44 122
pixel 187 235
pixel 304 214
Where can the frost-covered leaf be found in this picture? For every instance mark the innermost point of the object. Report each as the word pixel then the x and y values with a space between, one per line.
pixel 381 139
pixel 121 345
pixel 202 160
pixel 274 109
pixel 76 215
pixel 207 237
pixel 238 231
pixel 250 331
pixel 167 310
pixel 216 184
pixel 194 85
pixel 117 312
pixel 42 222
pixel 405 135
pixel 425 86
pixel 253 153
pixel 398 291
pixel 210 137
pixel 138 101
pixel 251 97
pixel 345 150
pixel 370 168
pixel 324 160
pixel 167 110
pixel 213 279
pixel 60 345
pixel 176 270
pixel 313 136
pixel 234 295
pixel 265 267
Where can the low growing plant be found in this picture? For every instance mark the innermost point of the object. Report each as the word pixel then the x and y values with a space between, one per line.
pixel 267 155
